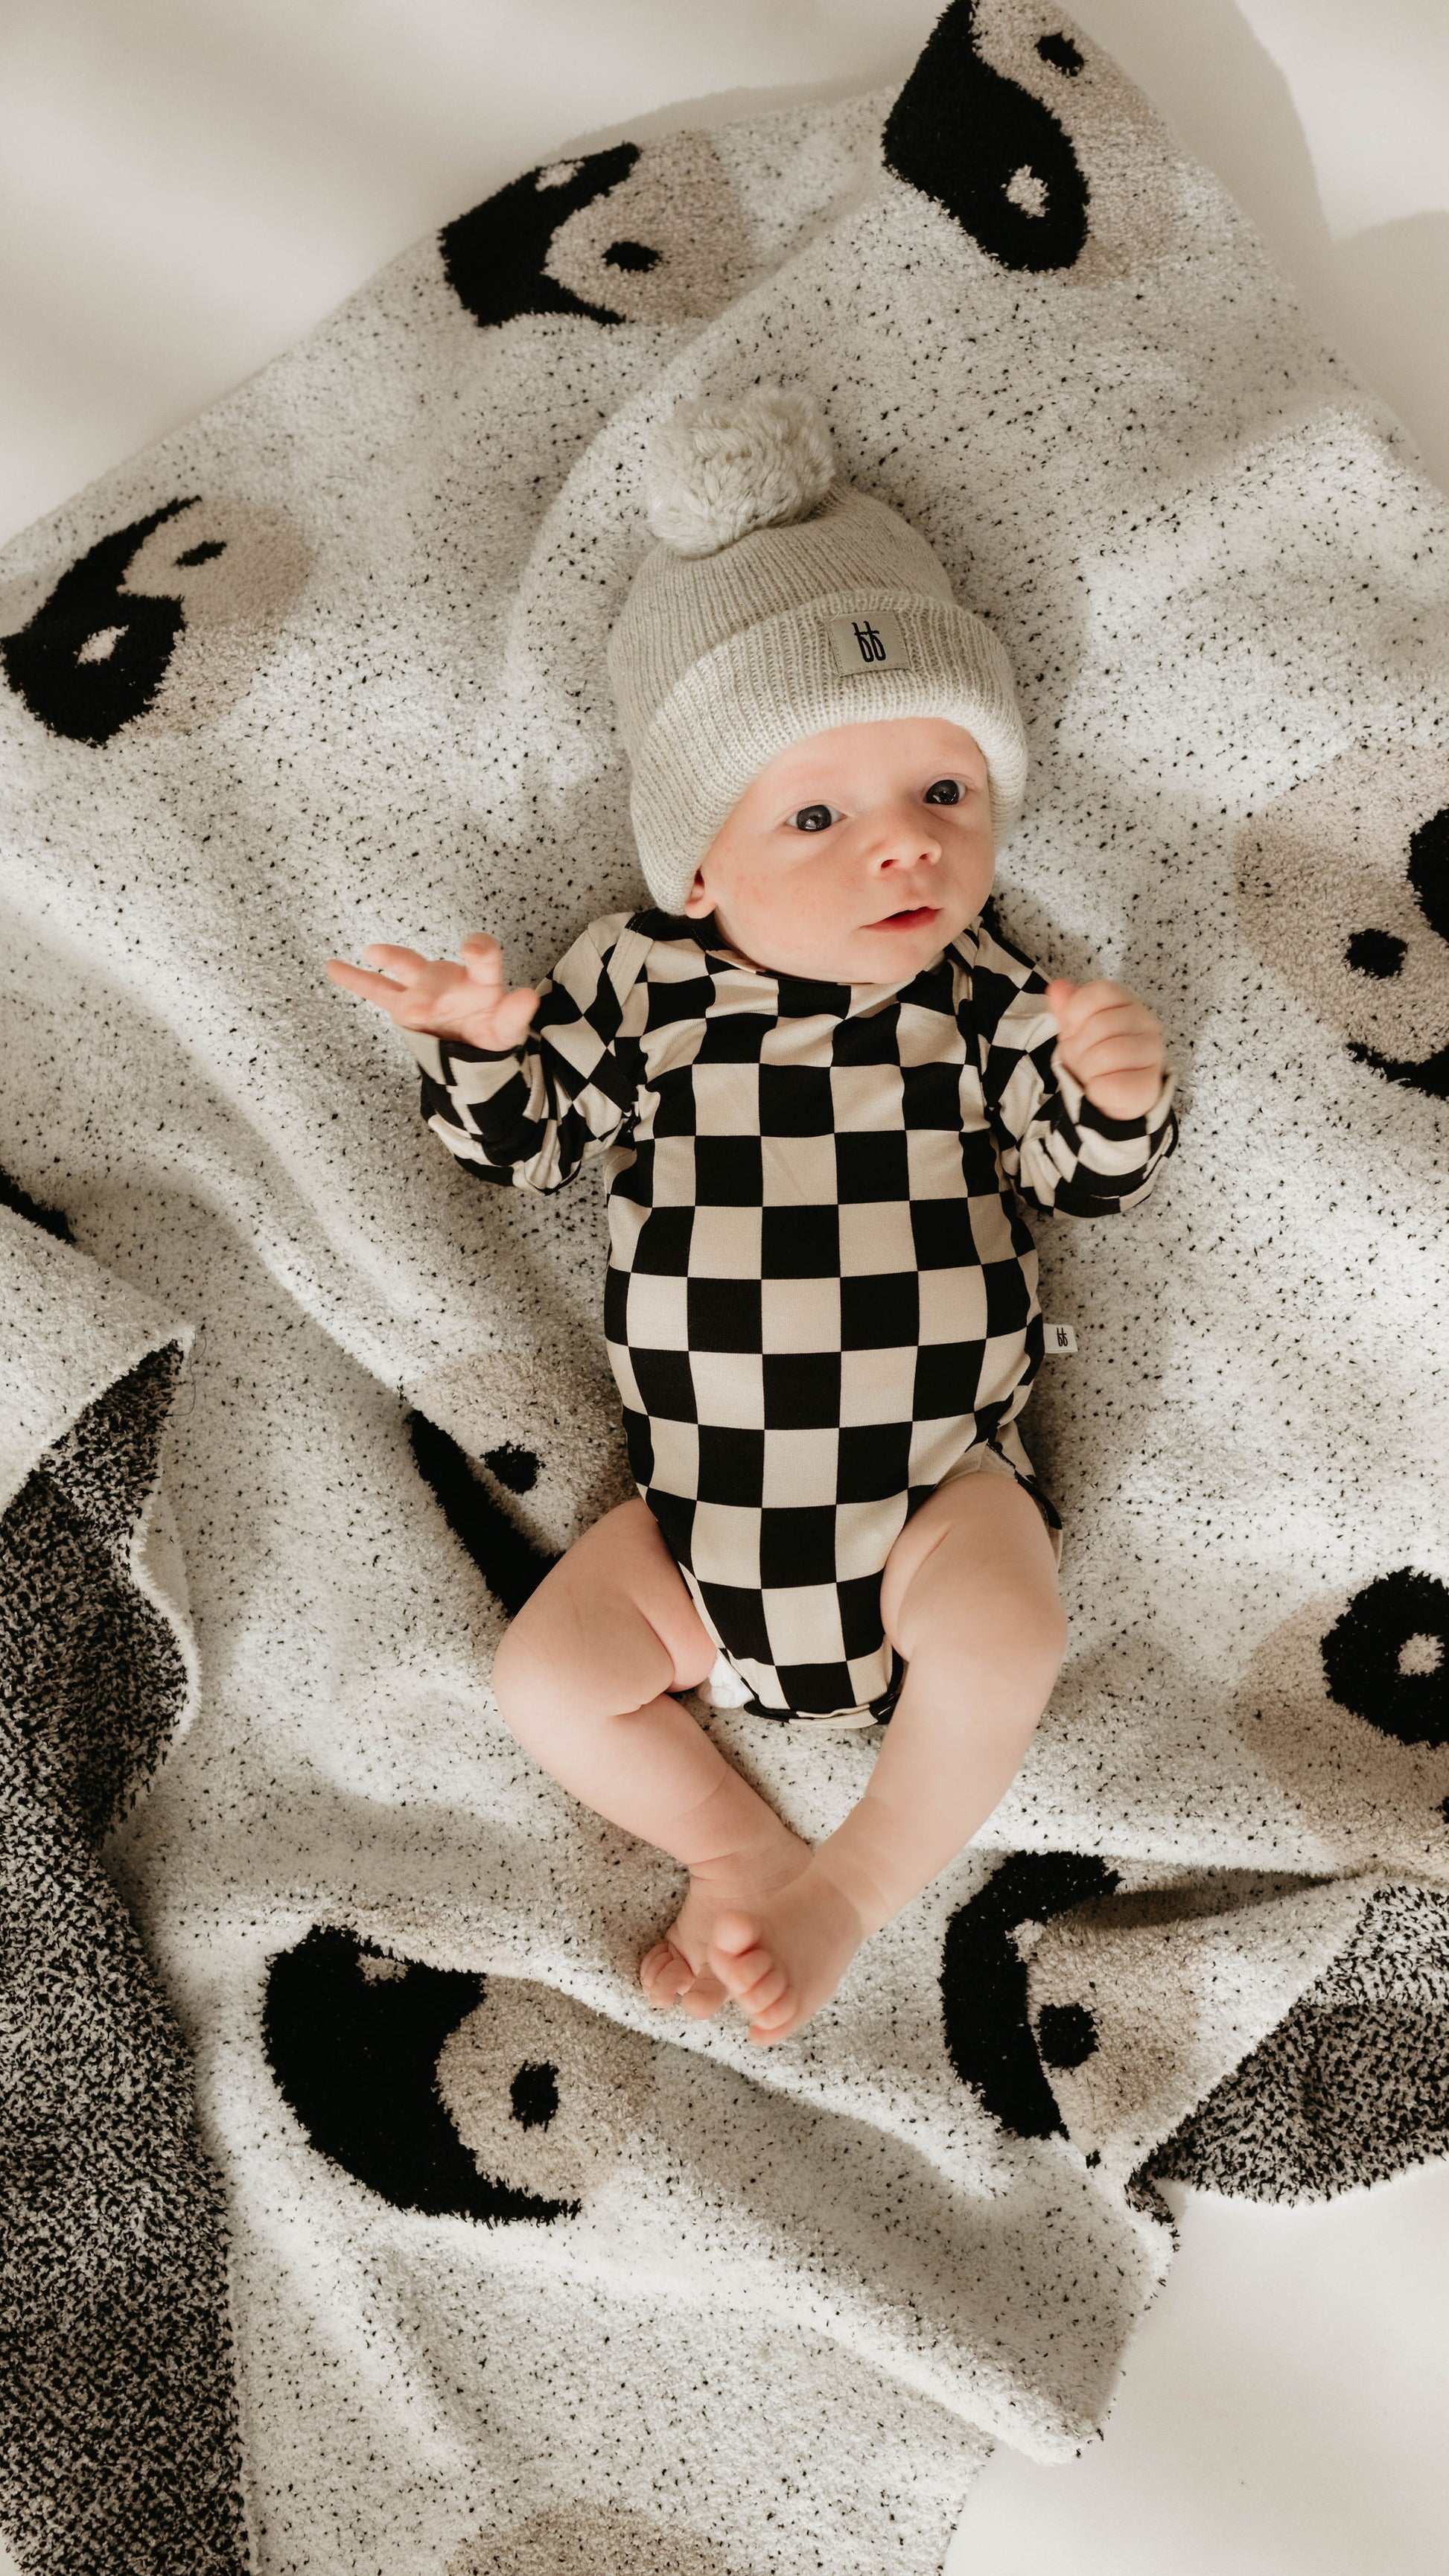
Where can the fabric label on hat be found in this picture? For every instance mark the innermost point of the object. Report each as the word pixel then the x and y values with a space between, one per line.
pixel 868 644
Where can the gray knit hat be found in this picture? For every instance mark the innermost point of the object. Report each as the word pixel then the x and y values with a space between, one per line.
pixel 779 602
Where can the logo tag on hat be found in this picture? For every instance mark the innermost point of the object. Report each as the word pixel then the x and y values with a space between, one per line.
pixel 868 643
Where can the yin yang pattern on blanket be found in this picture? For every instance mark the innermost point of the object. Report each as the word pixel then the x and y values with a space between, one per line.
pixel 984 1989
pixel 510 1564
pixel 160 625
pixel 1355 1714
pixel 1033 141
pixel 1338 1697
pixel 450 2093
pixel 1387 1657
pixel 1352 2086
pixel 648 232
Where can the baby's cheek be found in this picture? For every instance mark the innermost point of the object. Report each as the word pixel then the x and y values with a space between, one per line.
pixel 770 894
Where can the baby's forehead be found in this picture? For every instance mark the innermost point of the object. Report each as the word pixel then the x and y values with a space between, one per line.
pixel 884 743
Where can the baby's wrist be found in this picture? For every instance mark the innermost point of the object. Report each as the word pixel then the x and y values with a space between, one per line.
pixel 1148 1099
pixel 473 1043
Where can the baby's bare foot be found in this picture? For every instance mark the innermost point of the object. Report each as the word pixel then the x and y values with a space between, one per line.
pixel 783 1957
pixel 678 1968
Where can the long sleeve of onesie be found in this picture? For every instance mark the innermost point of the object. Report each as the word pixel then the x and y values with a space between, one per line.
pixel 1056 1147
pixel 529 1117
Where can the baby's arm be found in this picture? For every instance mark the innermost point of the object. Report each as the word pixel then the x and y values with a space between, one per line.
pixel 1076 1084
pixel 518 1105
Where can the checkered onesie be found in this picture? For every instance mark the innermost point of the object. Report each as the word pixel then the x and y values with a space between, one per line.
pixel 822 1289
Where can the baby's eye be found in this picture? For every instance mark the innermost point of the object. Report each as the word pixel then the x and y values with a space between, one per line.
pixel 813 818
pixel 946 791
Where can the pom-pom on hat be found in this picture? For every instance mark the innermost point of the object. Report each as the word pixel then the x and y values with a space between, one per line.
pixel 780 601
pixel 716 470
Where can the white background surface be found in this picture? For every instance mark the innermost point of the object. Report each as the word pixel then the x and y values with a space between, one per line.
pixel 185 187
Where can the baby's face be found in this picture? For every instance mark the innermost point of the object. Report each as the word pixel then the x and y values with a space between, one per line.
pixel 856 855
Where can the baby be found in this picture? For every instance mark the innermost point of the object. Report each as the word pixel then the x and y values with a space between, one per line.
pixel 822 1087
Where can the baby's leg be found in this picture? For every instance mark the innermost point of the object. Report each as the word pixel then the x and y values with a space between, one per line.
pixel 582 1678
pixel 969 1598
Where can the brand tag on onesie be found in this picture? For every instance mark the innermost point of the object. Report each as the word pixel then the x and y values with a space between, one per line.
pixel 1059 1337
pixel 871 643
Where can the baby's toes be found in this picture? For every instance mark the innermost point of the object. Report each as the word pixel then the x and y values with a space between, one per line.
pixel 770 1997
pixel 664 1972
pixel 751 1972
pixel 736 1936
pixel 704 1997
pixel 775 2020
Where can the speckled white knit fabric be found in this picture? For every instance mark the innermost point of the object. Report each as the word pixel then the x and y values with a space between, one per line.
pixel 525 2277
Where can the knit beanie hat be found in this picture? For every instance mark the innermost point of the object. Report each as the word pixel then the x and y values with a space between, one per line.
pixel 779 602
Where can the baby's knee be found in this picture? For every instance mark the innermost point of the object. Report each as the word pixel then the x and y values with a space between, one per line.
pixel 1021 1626
pixel 574 1654
pixel 1024 1604
pixel 544 1670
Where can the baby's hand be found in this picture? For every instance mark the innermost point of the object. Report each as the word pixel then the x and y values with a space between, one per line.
pixel 443 999
pixel 1111 1042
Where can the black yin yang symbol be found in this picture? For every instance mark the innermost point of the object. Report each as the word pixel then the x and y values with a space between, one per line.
pixel 984 1992
pixel 493 257
pixel 494 2098
pixel 986 150
pixel 93 656
pixel 1381 954
pixel 353 2039
pixel 510 1564
pixel 649 232
pixel 1387 1657
pixel 163 624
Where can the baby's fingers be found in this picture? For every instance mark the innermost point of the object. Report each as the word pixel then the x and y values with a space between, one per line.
pixel 388 994
pixel 512 1015
pixel 355 978
pixel 484 959
pixel 1116 1051
pixel 506 1015
pixel 409 991
pixel 402 965
pixel 1076 1005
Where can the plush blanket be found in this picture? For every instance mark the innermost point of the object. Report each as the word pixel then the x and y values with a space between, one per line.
pixel 361 2213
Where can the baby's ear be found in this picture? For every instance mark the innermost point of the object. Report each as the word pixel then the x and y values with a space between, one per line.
pixel 697 903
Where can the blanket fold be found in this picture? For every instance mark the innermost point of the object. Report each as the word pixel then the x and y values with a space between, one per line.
pixel 117 2398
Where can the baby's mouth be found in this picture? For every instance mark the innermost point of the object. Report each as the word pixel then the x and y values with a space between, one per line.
pixel 916 920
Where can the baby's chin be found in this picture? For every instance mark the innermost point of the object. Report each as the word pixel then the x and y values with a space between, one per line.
pixel 869 953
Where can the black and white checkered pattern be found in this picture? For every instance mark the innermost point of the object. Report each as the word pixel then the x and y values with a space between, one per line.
pixel 822 1287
